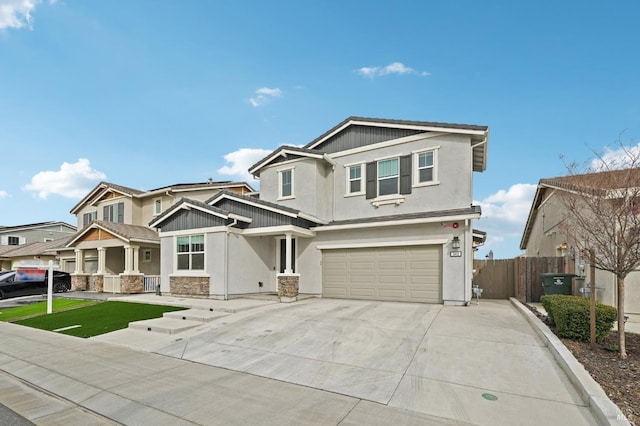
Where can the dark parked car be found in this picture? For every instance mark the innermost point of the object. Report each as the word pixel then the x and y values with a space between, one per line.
pixel 26 283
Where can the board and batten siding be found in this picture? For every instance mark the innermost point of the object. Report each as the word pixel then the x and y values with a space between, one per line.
pixel 357 136
pixel 192 219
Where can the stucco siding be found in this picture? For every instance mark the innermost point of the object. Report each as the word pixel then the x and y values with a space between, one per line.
pixel 251 261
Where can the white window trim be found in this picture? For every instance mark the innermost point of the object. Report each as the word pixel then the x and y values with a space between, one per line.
pixel 189 271
pixel 155 212
pixel 397 193
pixel 416 171
pixel 363 181
pixel 293 186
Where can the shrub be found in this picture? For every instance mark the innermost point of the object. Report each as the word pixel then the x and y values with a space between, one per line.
pixel 571 315
pixel 549 302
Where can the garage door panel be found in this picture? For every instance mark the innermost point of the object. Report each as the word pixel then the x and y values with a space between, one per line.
pixel 384 273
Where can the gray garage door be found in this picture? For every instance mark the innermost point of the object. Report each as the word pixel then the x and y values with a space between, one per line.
pixel 410 273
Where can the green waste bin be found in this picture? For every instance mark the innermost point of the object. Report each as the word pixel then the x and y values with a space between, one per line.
pixel 556 283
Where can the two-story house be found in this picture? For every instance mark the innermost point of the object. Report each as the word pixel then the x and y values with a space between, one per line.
pixel 115 249
pixel 371 209
pixel 35 233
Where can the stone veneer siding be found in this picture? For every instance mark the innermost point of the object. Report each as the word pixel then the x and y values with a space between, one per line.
pixel 96 283
pixel 288 285
pixel 193 286
pixel 131 284
pixel 79 282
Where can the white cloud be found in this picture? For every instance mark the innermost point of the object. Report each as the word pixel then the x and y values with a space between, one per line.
pixel 16 13
pixel 238 162
pixel 264 95
pixel 393 68
pixel 504 213
pixel 71 181
pixel 3 194
pixel 617 158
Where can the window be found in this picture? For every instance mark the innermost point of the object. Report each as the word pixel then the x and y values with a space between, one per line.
pixel 88 217
pixel 190 252
pixel 286 183
pixel 114 213
pixel 388 177
pixel 147 256
pixel 14 241
pixel 354 179
pixel 157 205
pixel 426 167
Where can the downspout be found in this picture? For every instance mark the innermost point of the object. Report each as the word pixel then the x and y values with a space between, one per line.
pixel 226 260
pixel 167 193
pixel 467 294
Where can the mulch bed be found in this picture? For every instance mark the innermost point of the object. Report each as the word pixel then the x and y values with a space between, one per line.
pixel 620 379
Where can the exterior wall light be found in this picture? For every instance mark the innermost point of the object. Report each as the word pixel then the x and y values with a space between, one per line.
pixel 455 243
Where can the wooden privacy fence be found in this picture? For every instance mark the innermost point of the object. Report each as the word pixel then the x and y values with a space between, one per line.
pixel 518 277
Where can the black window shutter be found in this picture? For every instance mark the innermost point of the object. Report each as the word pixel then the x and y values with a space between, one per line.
pixel 372 179
pixel 405 174
pixel 120 213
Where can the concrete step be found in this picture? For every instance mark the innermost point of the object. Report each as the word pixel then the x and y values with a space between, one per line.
pixel 164 325
pixel 199 315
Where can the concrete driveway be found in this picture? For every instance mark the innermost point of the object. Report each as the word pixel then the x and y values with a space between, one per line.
pixel 471 364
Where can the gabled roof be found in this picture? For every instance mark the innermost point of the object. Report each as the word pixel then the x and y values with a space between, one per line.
pixel 588 183
pixel 479 138
pixel 5 229
pixel 103 187
pixel 126 233
pixel 186 203
pixel 284 151
pixel 261 204
pixel 36 249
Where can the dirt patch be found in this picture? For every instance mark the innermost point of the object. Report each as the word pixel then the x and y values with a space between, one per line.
pixel 620 379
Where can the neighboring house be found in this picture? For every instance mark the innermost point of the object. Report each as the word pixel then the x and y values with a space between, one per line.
pixel 114 246
pixel 32 254
pixel 543 236
pixel 34 233
pixel 371 209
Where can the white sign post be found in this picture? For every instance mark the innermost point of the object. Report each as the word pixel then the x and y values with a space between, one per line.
pixel 50 289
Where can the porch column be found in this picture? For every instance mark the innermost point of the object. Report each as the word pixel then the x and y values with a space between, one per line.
pixel 127 259
pixel 79 261
pixel 288 268
pixel 136 259
pixel 102 260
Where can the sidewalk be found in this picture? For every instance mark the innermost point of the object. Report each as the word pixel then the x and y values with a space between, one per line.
pixel 484 364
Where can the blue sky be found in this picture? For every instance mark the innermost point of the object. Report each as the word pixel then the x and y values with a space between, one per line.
pixel 152 93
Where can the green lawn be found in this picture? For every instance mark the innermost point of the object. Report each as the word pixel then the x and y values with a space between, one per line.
pixel 40 308
pixel 97 319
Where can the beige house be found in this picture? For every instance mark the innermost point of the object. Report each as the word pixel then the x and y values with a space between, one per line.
pixel 543 236
pixel 115 250
pixel 31 255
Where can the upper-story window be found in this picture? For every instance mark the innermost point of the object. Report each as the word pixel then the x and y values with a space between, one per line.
pixel 388 176
pixel 355 175
pixel 13 241
pixel 285 184
pixel 157 206
pixel 88 217
pixel 114 213
pixel 426 170
pixel 190 252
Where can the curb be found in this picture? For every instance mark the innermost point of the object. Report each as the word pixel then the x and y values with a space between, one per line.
pixel 592 394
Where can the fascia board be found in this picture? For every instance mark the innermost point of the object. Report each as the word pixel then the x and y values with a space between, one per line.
pixel 278 230
pixel 396 222
pixel 257 205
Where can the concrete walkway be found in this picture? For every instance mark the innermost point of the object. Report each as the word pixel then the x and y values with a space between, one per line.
pixel 318 361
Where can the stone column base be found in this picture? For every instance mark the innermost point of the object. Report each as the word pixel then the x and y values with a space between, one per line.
pixel 79 282
pixel 132 284
pixel 97 283
pixel 288 286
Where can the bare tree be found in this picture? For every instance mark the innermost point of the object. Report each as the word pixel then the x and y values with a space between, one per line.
pixel 603 217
